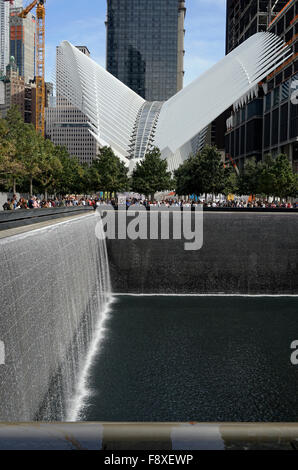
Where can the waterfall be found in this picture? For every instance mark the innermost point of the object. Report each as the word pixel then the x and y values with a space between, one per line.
pixel 55 294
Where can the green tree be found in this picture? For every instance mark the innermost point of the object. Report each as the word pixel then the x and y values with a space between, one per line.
pixel 108 172
pixel 11 168
pixel 7 146
pixel 30 155
pixel 249 179
pixel 50 165
pixel 15 169
pixel 69 177
pixel 285 183
pixel 16 124
pixel 295 186
pixel 188 177
pixel 87 179
pixel 272 177
pixel 212 170
pixel 201 173
pixel 231 181
pixel 151 174
pixel 265 176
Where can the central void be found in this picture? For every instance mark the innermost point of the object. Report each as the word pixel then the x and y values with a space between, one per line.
pixel 196 359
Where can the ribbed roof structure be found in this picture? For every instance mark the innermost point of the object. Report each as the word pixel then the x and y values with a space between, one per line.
pixel 115 111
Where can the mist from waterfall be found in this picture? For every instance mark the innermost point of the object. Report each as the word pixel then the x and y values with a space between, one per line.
pixel 55 294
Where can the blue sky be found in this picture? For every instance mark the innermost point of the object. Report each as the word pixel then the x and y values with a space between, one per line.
pixel 82 23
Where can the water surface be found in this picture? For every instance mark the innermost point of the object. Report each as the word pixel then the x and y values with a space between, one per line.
pixel 167 358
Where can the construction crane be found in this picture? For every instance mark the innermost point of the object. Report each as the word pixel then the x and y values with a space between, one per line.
pixel 40 59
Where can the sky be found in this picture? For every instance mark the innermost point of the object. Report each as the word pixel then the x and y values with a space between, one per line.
pixel 81 22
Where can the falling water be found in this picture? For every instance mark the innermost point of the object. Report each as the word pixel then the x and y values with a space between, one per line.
pixel 55 293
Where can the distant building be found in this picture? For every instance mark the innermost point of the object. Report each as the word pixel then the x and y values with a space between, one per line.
pixel 266 120
pixel 69 127
pixel 145 45
pixel 4 36
pixel 245 18
pixel 66 125
pixel 15 92
pixel 22 43
pixel 84 49
pixel 14 89
pixel 49 93
pixel 30 104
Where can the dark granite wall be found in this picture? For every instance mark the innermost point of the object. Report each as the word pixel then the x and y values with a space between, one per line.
pixel 245 253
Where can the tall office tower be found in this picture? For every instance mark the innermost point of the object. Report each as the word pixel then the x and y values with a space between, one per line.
pixel 22 43
pixel 145 45
pixel 266 120
pixel 4 36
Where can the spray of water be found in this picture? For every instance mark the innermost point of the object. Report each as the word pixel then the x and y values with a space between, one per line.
pixel 77 403
pixel 55 295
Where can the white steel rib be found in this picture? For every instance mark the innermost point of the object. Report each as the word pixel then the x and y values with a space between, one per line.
pixel 114 110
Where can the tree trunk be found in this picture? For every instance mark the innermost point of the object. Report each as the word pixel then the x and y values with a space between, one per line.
pixel 31 187
pixel 46 194
pixel 14 185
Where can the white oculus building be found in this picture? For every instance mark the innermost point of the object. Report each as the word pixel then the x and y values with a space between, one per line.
pixel 116 116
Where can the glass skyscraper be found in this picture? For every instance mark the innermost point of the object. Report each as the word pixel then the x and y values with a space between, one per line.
pixel 145 45
pixel 22 43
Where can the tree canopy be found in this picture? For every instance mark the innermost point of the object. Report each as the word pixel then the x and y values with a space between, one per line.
pixel 108 173
pixel 28 160
pixel 151 174
pixel 206 173
pixel 201 173
pixel 270 177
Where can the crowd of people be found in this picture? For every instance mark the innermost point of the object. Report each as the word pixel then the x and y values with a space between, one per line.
pixel 214 204
pixel 253 204
pixel 35 202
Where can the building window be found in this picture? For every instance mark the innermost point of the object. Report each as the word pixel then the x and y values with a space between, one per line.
pixel 275 126
pixel 284 122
